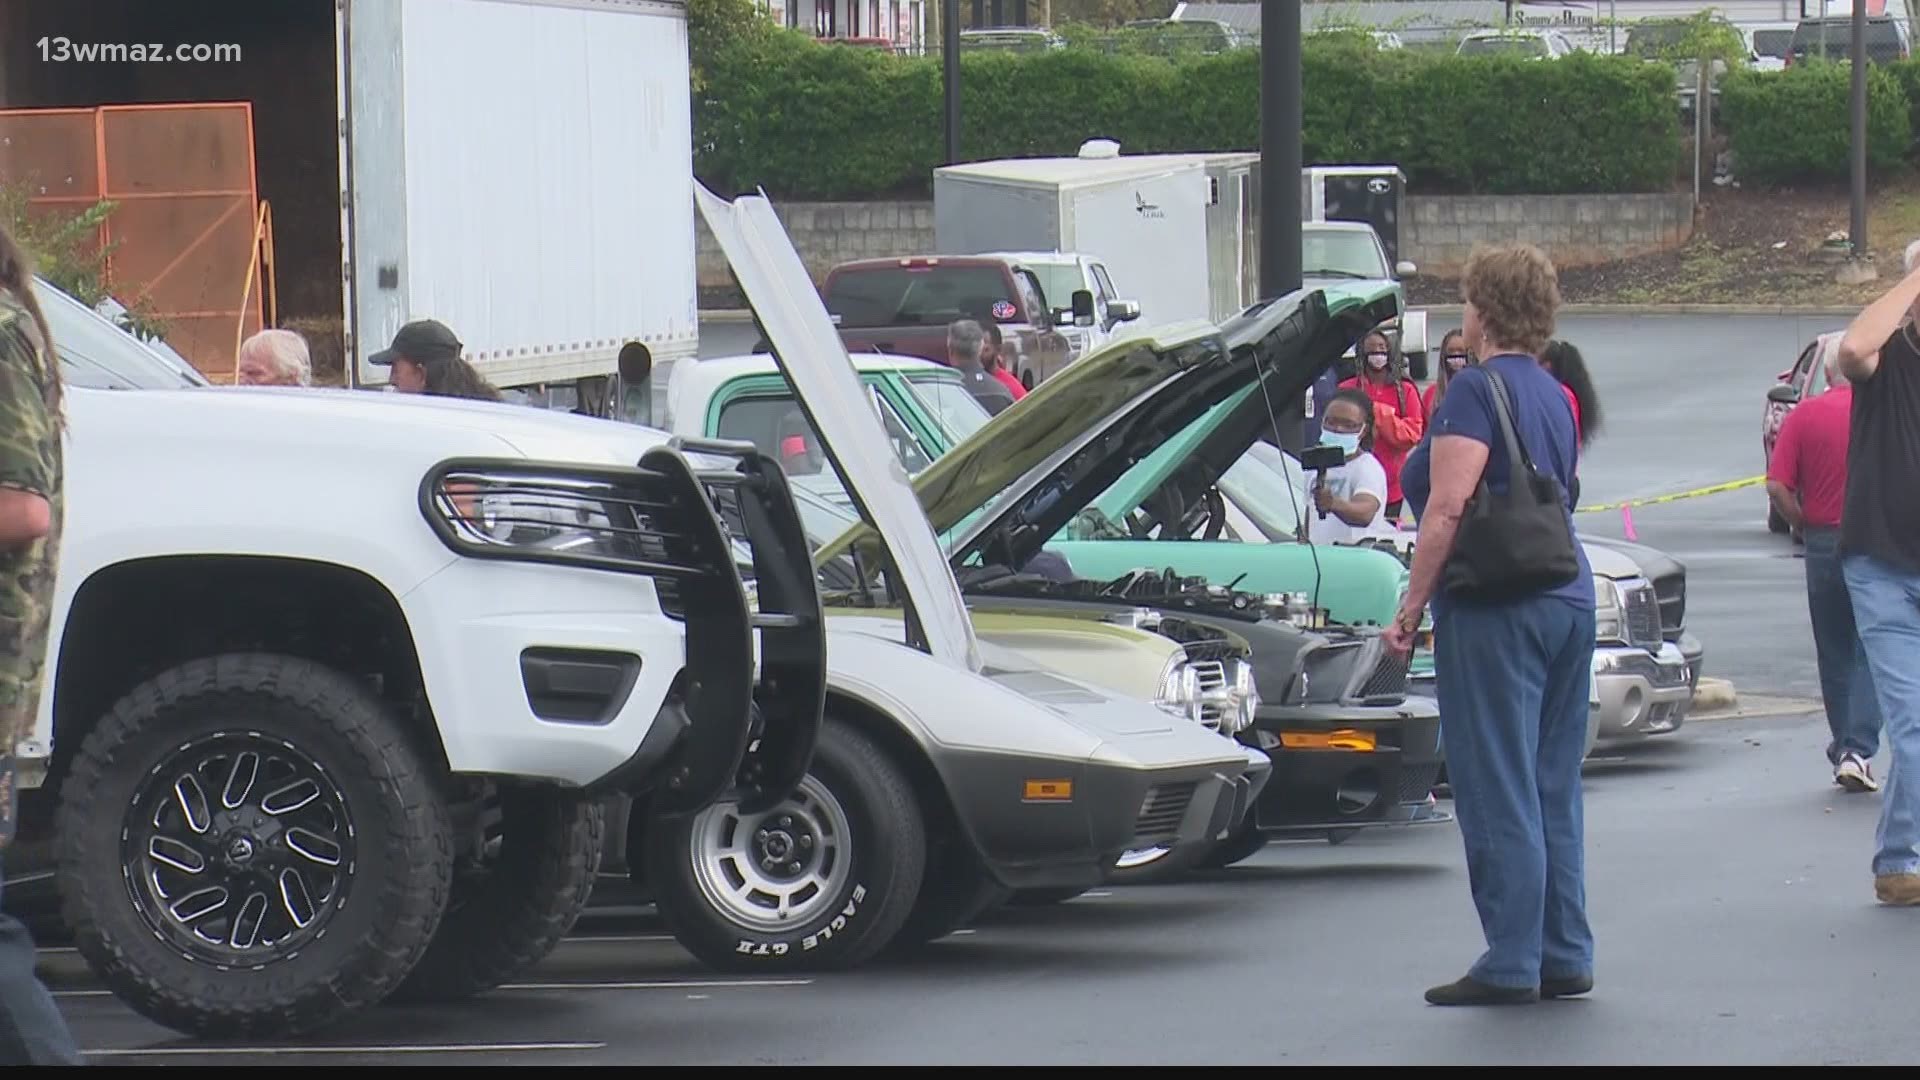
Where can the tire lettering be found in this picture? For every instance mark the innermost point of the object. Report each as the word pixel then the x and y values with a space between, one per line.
pixel 761 948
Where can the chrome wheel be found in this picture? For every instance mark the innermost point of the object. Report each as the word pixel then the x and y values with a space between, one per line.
pixel 774 870
pixel 238 849
pixel 1131 860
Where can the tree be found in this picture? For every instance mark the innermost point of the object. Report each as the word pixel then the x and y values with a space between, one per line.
pixel 66 251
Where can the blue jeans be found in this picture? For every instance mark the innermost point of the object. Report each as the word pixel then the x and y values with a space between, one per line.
pixel 1512 681
pixel 1886 605
pixel 32 1031
pixel 1846 680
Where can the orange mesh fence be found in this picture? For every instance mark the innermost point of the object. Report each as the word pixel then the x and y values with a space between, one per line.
pixel 183 176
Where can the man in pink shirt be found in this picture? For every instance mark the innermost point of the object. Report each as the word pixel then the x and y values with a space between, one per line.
pixel 1807 481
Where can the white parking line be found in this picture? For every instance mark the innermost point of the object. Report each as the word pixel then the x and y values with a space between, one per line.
pixel 439 1048
pixel 605 938
pixel 663 984
pixel 1097 892
pixel 653 984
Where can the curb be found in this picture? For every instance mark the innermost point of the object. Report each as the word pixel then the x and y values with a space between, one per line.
pixel 1454 311
pixel 1714 695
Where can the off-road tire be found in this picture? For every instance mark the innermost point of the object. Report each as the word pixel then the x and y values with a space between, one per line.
pixel 887 841
pixel 1240 845
pixel 396 882
pixel 506 915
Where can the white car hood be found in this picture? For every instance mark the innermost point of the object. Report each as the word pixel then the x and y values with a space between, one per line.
pixel 815 362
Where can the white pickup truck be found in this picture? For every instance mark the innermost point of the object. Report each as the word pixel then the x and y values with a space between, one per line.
pixel 1063 274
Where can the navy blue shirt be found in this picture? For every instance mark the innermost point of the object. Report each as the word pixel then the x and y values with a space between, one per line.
pixel 1542 420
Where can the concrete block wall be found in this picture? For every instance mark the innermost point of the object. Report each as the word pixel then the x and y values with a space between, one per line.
pixel 1575 230
pixel 829 233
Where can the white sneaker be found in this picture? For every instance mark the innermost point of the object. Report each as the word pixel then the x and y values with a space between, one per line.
pixel 1855 774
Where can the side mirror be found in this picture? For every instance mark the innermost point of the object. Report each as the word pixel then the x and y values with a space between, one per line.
pixel 1785 394
pixel 1405 268
pixel 1082 307
pixel 1123 310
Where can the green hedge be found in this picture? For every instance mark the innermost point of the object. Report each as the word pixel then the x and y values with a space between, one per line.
pixel 807 120
pixel 1796 125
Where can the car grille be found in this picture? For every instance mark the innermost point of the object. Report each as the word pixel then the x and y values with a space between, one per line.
pixel 1160 814
pixel 1388 678
pixel 1671 591
pixel 1643 619
pixel 1212 678
pixel 1416 782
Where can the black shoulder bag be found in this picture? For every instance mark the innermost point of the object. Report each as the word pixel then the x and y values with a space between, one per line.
pixel 1518 543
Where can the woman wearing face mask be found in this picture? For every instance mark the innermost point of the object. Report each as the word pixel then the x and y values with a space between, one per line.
pixel 1399 417
pixel 1454 356
pixel 1350 501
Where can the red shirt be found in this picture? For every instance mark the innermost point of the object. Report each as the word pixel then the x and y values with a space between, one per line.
pixel 1399 421
pixel 1810 455
pixel 1574 404
pixel 1012 384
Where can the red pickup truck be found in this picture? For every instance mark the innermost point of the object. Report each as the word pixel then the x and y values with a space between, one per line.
pixel 903 306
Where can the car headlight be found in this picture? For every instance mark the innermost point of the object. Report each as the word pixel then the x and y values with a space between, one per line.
pixel 1178 686
pixel 1246 697
pixel 1609 610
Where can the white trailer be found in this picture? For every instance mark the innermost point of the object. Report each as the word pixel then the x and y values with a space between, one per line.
pixel 522 171
pixel 1145 216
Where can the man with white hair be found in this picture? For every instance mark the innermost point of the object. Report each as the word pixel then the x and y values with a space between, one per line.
pixel 274 358
pixel 1807 481
pixel 1880 554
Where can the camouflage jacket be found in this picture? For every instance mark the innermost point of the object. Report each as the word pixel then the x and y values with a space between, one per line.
pixel 30 460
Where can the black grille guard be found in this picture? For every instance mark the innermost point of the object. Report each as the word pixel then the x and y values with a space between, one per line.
pixel 663 520
pixel 754 500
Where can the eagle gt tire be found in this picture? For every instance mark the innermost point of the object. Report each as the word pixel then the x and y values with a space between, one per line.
pixel 823 881
pixel 250 846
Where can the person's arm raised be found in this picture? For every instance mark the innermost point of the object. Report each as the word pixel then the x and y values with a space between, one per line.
pixel 1860 345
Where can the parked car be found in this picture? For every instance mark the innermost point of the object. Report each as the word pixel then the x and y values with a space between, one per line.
pixel 949 769
pixel 1063 274
pixel 1807 377
pixel 1830 37
pixel 1535 43
pixel 904 306
pixel 1340 252
pixel 290 764
pixel 1350 747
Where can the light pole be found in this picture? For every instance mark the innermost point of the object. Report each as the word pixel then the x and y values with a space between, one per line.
pixel 1280 163
pixel 950 67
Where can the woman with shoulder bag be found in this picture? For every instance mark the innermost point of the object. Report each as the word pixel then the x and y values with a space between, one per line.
pixel 1513 611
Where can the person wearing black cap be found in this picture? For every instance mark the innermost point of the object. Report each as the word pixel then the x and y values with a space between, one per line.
pixel 425 358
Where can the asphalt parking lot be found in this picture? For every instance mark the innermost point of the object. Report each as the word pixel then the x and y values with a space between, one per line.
pixel 1728 879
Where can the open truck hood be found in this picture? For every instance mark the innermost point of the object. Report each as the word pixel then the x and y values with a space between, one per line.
pixel 814 360
pixel 1007 490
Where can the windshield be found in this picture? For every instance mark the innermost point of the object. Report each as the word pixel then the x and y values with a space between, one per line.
pixel 1268 485
pixel 96 354
pixel 1059 281
pixel 1520 44
pixel 1773 43
pixel 946 400
pixel 1349 253
pixel 919 295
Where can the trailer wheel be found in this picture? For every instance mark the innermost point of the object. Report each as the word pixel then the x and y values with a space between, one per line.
pixel 249 846
pixel 515 900
pixel 824 880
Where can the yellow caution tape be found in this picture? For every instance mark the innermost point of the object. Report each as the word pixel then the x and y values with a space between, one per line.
pixel 1733 485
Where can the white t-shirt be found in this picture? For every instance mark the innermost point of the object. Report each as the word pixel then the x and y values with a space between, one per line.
pixel 1363 473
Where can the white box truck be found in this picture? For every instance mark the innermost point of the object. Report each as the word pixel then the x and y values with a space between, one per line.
pixel 1144 216
pixel 522 171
